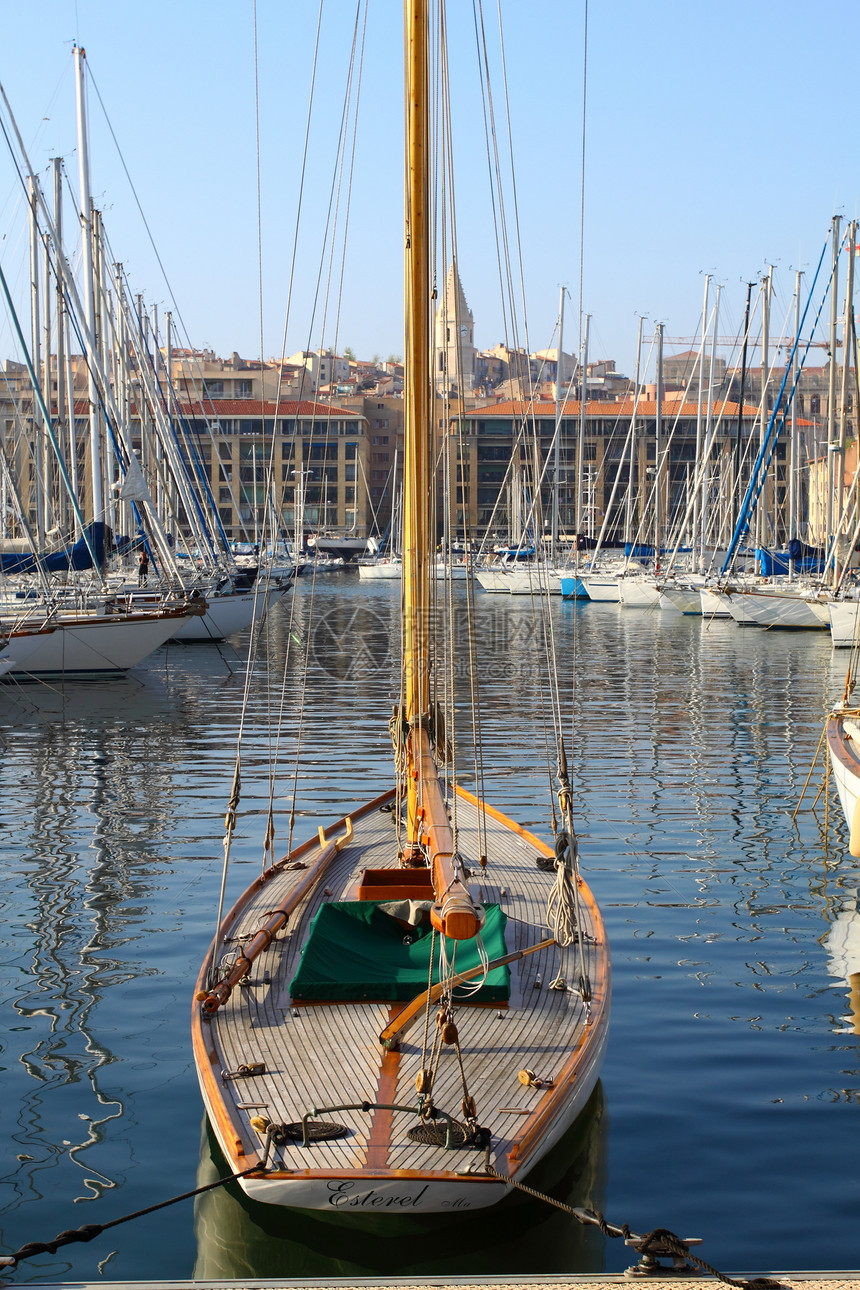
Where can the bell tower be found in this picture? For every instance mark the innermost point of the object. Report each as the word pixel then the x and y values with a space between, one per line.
pixel 455 339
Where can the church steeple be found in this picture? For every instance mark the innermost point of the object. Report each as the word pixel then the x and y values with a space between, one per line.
pixel 455 328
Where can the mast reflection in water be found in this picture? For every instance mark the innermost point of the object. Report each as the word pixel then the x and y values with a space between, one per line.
pixel 728 1104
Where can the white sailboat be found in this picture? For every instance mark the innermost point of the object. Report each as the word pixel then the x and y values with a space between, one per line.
pixel 77 647
pixel 368 1029
pixel 74 630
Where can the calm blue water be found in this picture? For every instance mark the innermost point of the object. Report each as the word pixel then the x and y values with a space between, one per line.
pixel 728 1107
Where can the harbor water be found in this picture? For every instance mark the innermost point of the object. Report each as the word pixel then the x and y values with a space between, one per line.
pixel 729 1107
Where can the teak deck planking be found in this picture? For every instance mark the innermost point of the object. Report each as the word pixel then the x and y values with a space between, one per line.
pixel 324 1055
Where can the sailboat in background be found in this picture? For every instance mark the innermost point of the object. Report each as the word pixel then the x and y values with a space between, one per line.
pixel 368 1025
pixel 67 630
pixel 73 606
pixel 387 564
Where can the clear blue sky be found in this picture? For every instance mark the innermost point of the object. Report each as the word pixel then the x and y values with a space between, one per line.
pixel 719 139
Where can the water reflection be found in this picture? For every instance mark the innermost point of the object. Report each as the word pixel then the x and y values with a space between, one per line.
pixel 89 788
pixel 238 1238
pixel 843 955
pixel 731 927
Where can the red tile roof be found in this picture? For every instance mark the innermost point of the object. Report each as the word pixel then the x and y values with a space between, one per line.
pixel 257 408
pixel 604 408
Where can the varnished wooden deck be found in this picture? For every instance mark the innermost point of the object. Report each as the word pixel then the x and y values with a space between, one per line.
pixel 328 1055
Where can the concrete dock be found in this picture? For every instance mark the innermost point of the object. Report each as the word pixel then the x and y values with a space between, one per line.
pixel 790 1280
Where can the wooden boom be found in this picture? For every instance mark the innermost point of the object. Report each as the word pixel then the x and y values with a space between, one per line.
pixel 390 1036
pixel 221 992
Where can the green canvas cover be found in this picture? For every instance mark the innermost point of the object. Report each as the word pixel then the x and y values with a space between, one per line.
pixel 356 952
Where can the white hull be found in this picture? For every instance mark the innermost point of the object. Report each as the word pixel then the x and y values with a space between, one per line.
pixel 601 586
pixel 226 615
pixel 639 593
pixel 844 623
pixel 95 647
pixel 526 580
pixel 409 1196
pixel 714 604
pixel 843 741
pixel 385 570
pixel 684 597
pixel 778 609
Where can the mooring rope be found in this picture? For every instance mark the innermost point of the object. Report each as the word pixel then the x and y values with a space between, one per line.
pixel 659 1240
pixel 88 1231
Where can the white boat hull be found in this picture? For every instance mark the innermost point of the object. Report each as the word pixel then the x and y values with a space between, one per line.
pixel 601 587
pixel 714 604
pixel 777 609
pixel 843 745
pixel 226 615
pixel 523 580
pixel 685 599
pixel 639 593
pixel 83 648
pixel 844 623
pixel 384 571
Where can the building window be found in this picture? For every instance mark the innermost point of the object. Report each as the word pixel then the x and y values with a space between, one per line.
pixel 224 495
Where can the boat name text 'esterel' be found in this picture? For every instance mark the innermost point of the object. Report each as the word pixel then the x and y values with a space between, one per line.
pixel 341 1195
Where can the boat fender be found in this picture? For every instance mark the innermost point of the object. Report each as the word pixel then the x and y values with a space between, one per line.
pixel 854 836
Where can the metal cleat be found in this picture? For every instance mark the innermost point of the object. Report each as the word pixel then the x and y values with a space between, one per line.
pixel 244 1071
pixel 655 1247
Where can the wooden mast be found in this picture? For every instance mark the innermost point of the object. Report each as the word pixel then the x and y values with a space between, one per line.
pixel 429 829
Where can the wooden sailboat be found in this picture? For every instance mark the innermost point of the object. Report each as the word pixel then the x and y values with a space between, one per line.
pixel 369 1026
